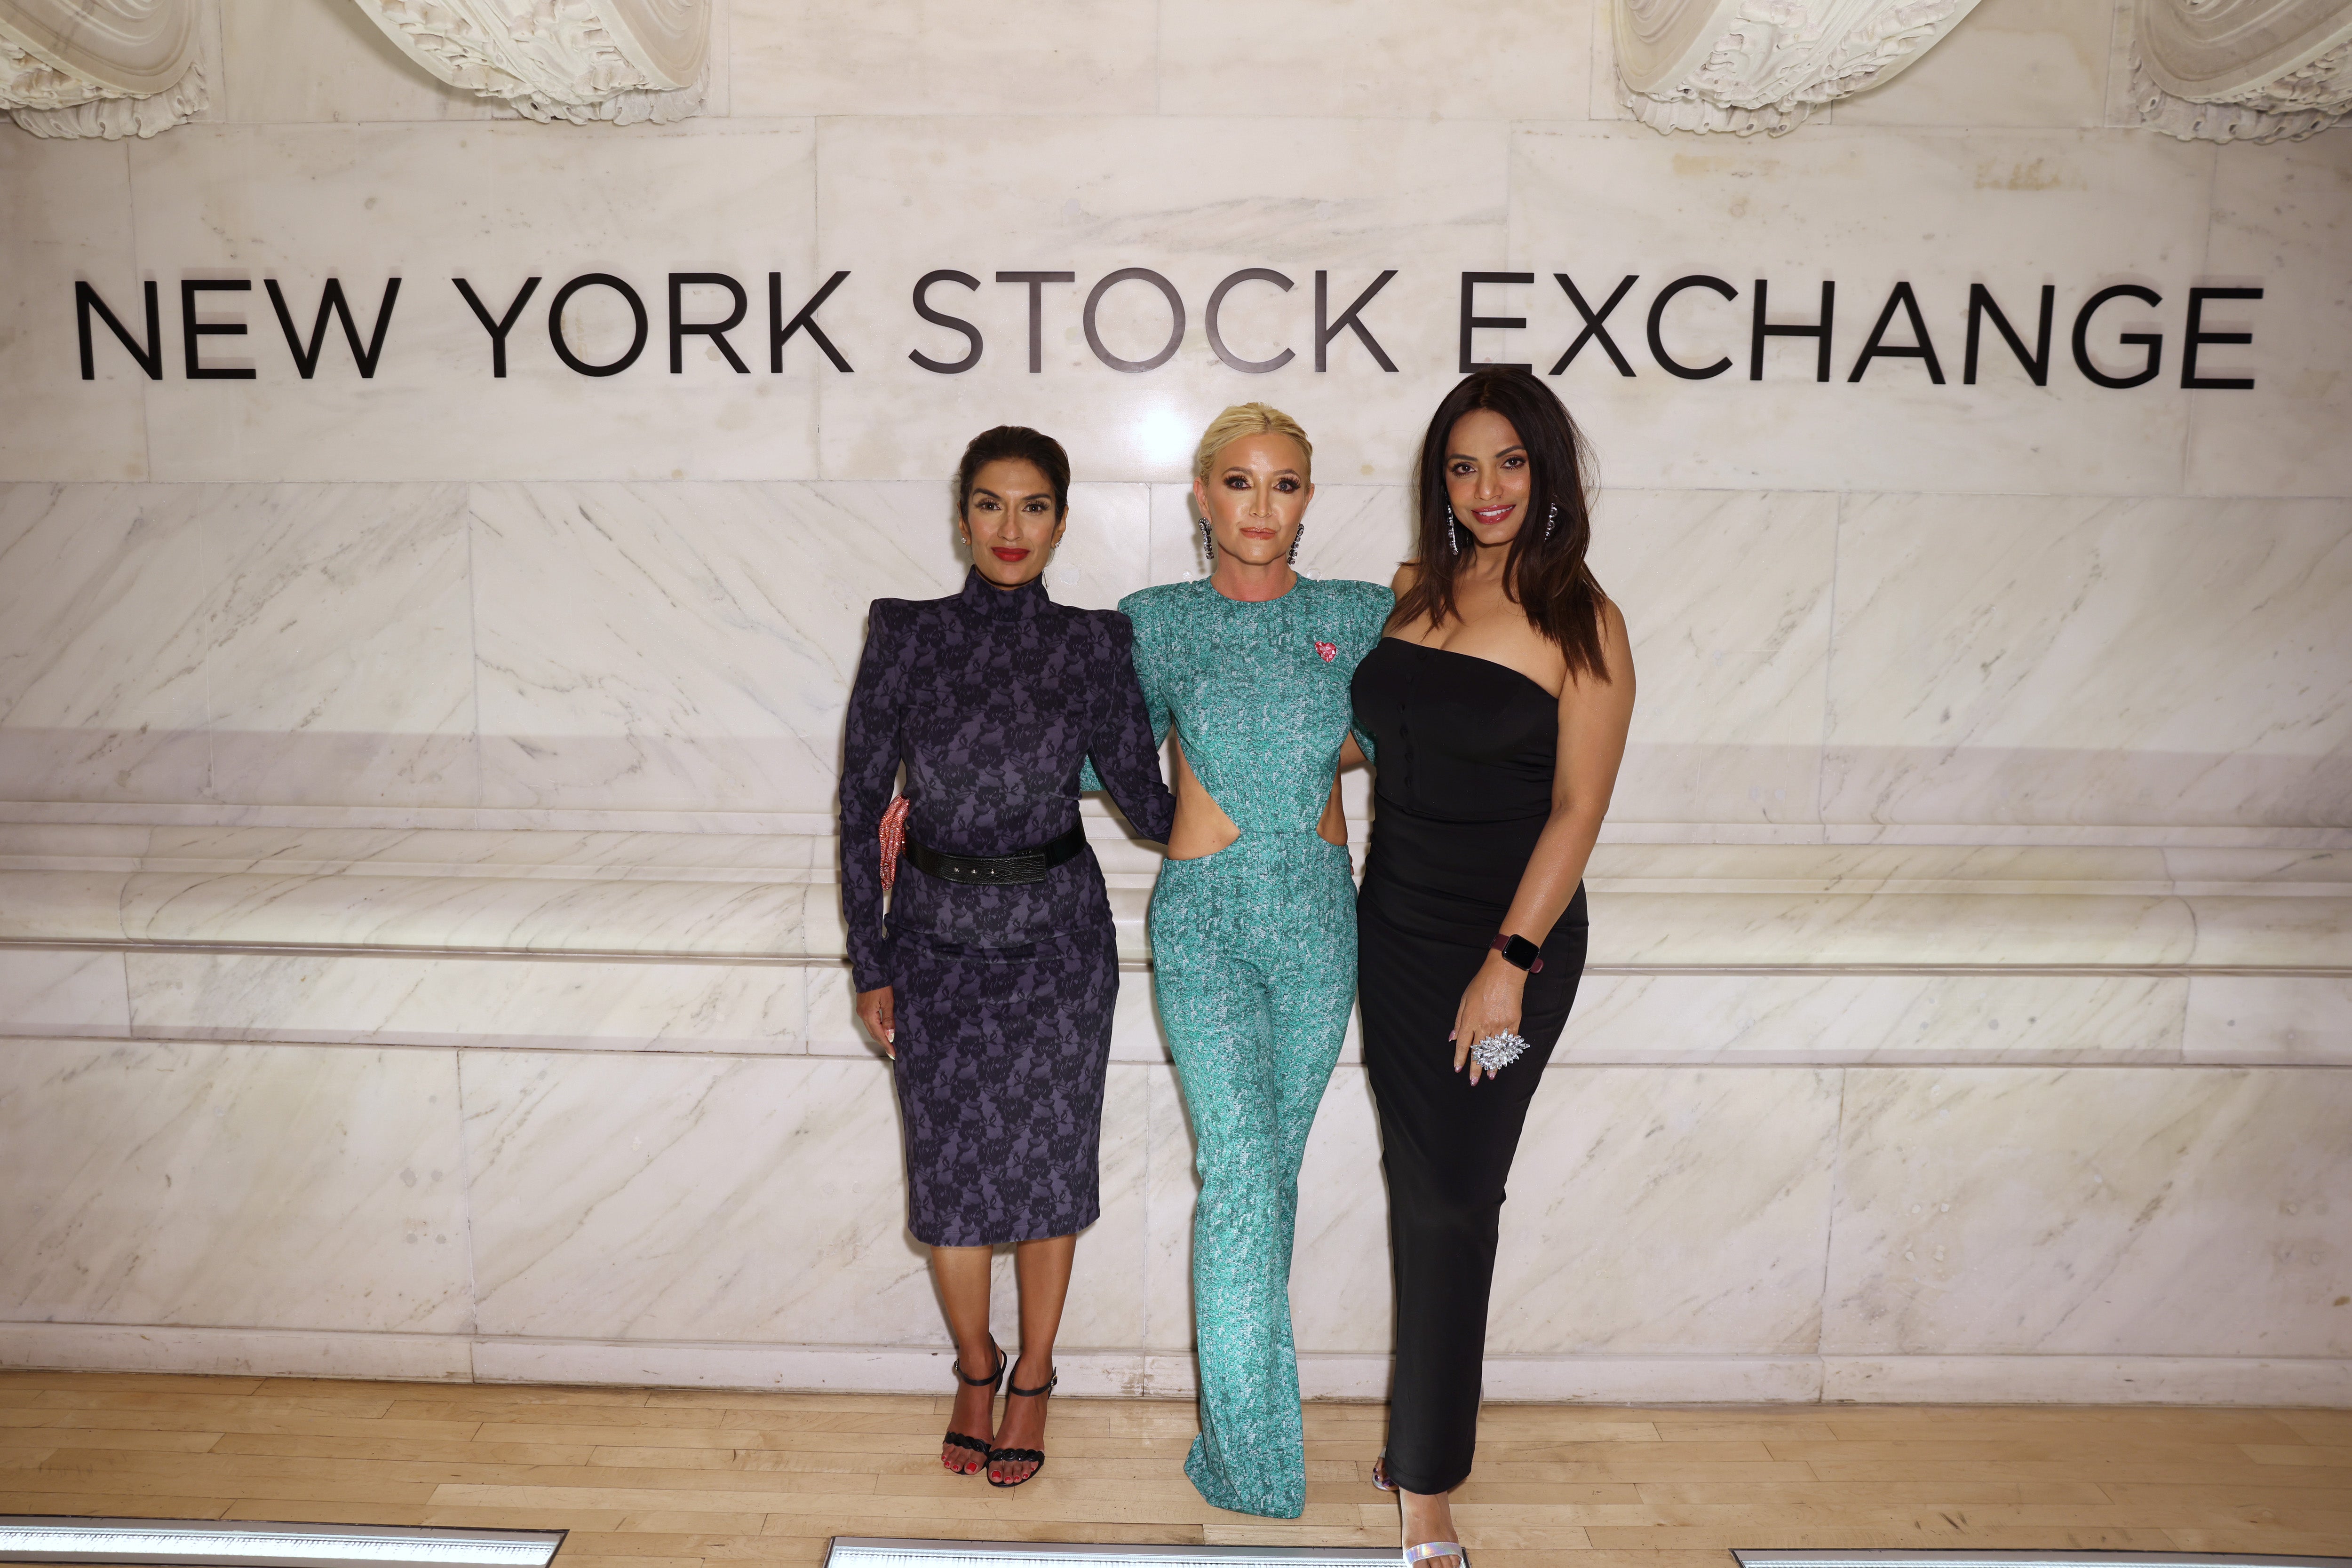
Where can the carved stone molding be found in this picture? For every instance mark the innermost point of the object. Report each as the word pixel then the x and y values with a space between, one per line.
pixel 2241 70
pixel 1745 65
pixel 623 61
pixel 99 67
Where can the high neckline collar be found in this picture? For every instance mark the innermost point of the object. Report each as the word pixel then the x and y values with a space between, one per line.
pixel 985 597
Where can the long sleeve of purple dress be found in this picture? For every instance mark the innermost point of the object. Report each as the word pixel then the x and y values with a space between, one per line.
pixel 992 700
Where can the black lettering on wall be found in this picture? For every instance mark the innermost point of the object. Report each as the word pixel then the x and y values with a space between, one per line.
pixel 498 329
pixel 1036 282
pixel 1921 347
pixel 679 282
pixel 1175 312
pixel 1471 321
pixel 555 323
pixel 149 354
pixel 1350 320
pixel 2195 336
pixel 1593 327
pixel 2153 341
pixel 191 328
pixel 331 303
pixel 1819 329
pixel 1217 339
pixel 940 319
pixel 1666 361
pixel 806 322
pixel 2037 364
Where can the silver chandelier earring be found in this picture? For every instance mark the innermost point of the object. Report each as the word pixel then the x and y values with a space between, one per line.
pixel 1209 542
pixel 1453 539
pixel 1551 517
pixel 1293 543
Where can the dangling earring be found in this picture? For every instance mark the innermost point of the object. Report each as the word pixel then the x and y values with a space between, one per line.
pixel 1453 541
pixel 1293 543
pixel 1550 517
pixel 1209 543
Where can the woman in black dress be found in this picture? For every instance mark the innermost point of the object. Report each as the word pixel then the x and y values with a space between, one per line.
pixel 992 983
pixel 1498 704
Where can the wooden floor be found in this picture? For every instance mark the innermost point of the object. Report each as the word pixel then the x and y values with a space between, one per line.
pixel 661 1479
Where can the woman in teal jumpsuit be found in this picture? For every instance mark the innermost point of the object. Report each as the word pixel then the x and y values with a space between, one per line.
pixel 1253 919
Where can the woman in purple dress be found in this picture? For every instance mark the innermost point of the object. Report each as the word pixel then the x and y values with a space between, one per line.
pixel 990 982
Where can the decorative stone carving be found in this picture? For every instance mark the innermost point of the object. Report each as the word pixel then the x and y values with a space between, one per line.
pixel 1745 65
pixel 99 67
pixel 2242 70
pixel 579 60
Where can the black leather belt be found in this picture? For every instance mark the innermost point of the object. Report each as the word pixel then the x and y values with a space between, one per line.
pixel 998 870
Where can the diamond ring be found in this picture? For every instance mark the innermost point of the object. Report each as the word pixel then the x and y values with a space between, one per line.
pixel 1497 1051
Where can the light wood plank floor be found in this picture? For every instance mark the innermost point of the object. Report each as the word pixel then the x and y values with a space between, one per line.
pixel 672 1478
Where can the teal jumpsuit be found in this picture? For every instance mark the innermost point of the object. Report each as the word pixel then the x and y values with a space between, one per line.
pixel 1254 954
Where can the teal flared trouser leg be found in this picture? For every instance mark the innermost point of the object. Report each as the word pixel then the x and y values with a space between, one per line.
pixel 1254 950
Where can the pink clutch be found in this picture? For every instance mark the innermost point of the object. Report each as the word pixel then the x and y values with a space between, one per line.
pixel 894 838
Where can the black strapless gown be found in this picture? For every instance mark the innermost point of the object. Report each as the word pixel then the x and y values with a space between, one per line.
pixel 1464 753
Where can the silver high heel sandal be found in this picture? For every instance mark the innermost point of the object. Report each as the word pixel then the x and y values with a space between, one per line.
pixel 1427 1549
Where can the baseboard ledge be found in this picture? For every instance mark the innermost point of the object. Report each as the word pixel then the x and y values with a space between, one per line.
pixel 1169 1375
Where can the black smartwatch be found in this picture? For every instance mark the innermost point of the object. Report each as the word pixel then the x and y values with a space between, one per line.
pixel 1519 953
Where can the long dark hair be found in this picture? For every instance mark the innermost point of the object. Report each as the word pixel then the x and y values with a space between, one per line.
pixel 1544 572
pixel 1020 444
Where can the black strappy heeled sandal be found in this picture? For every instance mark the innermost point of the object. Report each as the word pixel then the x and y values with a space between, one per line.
pixel 976 1445
pixel 1022 1455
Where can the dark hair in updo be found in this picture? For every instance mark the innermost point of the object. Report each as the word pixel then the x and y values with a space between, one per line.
pixel 1016 442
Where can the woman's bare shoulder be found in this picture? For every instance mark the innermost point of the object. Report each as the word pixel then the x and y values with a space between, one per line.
pixel 1407 574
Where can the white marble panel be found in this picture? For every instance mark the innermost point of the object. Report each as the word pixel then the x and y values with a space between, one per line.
pixel 1865 208
pixel 61 991
pixel 255 1186
pixel 2282 223
pixel 1507 59
pixel 2273 933
pixel 292 644
pixel 1726 597
pixel 297 61
pixel 943 57
pixel 384 999
pixel 102 642
pixel 61 905
pixel 1659 1210
pixel 2058 660
pixel 692 645
pixel 68 220
pixel 2072 1211
pixel 495 204
pixel 521 914
pixel 2009 63
pixel 1645 930
pixel 2270 1020
pixel 713 1198
pixel 1194 199
pixel 1835 1018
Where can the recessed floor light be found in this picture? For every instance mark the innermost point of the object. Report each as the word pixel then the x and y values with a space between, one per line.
pixel 2029 1560
pixel 870 1551
pixel 213 1543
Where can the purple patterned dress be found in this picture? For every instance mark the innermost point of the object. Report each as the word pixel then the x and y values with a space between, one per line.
pixel 993 699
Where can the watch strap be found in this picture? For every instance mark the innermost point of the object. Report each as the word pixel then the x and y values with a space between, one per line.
pixel 1518 951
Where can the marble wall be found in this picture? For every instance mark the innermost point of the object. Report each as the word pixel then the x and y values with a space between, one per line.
pixel 419 952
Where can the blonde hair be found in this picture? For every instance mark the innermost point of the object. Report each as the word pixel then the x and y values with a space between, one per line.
pixel 1251 419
